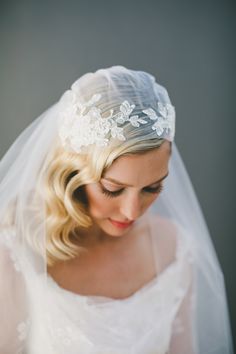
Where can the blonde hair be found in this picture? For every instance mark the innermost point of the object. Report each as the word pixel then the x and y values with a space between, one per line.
pixel 65 175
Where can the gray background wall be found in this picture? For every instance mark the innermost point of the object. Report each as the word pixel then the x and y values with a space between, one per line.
pixel 187 45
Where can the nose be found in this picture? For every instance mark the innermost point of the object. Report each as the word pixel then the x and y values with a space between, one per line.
pixel 131 206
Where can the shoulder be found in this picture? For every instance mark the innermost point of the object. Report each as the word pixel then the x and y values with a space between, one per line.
pixel 167 231
pixel 163 230
pixel 169 239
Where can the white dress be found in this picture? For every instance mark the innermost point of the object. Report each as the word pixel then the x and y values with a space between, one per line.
pixel 148 322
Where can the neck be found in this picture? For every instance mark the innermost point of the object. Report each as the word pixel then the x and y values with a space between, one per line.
pixel 94 236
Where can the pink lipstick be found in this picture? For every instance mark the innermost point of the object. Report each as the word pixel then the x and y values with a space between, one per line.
pixel 121 225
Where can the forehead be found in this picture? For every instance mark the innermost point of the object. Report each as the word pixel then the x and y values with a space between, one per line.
pixel 141 169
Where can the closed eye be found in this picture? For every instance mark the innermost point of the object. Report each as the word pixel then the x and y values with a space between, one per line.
pixel 113 194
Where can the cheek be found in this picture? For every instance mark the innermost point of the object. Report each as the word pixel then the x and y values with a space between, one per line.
pixel 148 202
pixel 99 205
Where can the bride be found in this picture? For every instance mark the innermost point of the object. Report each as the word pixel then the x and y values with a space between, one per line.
pixel 103 245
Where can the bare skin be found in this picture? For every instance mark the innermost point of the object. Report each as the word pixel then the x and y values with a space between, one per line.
pixel 118 261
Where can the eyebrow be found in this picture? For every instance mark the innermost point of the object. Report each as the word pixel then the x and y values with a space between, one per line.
pixel 129 185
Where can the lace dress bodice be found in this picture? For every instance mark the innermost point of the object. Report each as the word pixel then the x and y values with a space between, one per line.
pixel 63 322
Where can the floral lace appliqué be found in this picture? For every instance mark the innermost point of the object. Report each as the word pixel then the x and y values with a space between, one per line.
pixel 23 329
pixel 82 124
pixel 9 238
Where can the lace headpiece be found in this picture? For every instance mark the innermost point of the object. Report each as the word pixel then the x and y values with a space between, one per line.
pixel 83 124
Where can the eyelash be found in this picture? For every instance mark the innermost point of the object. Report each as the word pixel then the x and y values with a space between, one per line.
pixel 117 193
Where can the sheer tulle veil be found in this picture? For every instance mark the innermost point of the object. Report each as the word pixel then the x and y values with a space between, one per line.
pixel 22 220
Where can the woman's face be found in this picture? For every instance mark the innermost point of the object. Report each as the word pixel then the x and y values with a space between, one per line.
pixel 127 189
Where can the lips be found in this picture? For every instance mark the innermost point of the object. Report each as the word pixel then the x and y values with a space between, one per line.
pixel 121 224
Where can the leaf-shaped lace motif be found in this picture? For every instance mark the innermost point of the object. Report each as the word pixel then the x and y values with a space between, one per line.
pixel 82 123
